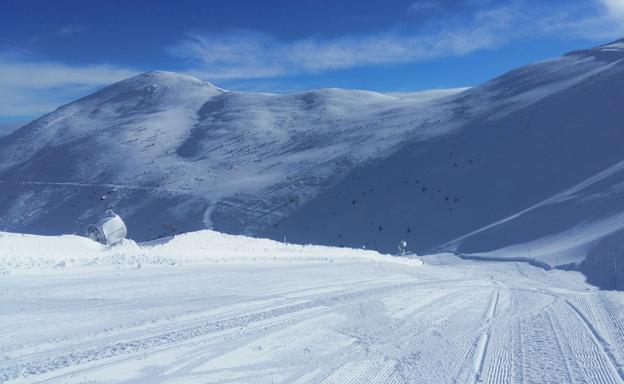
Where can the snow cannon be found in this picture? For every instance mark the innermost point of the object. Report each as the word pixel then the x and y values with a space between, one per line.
pixel 109 230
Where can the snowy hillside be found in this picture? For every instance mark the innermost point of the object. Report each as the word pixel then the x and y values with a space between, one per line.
pixel 526 165
pixel 534 171
pixel 171 154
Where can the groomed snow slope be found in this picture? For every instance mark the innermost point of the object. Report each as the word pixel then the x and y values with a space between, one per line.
pixel 337 317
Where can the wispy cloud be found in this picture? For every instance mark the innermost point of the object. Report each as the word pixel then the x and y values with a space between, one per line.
pixel 248 54
pixel 64 32
pixel 30 88
pixel 69 30
pixel 422 6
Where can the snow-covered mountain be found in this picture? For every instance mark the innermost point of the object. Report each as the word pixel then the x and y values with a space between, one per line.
pixel 534 170
pixel 529 162
pixel 172 153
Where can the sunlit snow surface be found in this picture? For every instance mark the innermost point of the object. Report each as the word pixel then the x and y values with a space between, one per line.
pixel 212 308
pixel 33 252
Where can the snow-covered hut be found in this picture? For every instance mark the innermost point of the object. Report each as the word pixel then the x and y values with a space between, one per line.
pixel 109 230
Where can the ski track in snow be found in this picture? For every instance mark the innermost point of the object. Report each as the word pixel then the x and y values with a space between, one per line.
pixel 457 321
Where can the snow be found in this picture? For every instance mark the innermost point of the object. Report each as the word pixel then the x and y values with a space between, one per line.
pixel 428 95
pixel 166 142
pixel 534 168
pixel 615 46
pixel 24 252
pixel 214 308
pixel 567 248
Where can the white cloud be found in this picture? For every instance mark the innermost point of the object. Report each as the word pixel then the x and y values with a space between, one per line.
pixel 248 54
pixel 64 32
pixel 29 88
pixel 422 6
pixel 69 30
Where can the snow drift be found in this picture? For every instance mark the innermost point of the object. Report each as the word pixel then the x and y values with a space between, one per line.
pixel 22 251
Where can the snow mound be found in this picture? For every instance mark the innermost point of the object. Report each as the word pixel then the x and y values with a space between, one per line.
pixel 22 251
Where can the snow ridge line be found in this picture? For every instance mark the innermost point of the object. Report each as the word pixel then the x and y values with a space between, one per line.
pixel 44 365
pixel 529 260
pixel 599 340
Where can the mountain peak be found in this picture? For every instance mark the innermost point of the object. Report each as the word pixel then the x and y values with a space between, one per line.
pixel 158 77
pixel 164 85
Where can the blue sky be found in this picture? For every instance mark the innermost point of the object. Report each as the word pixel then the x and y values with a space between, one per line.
pixel 52 52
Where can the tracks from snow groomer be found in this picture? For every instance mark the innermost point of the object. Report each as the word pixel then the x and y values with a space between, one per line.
pixel 47 364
